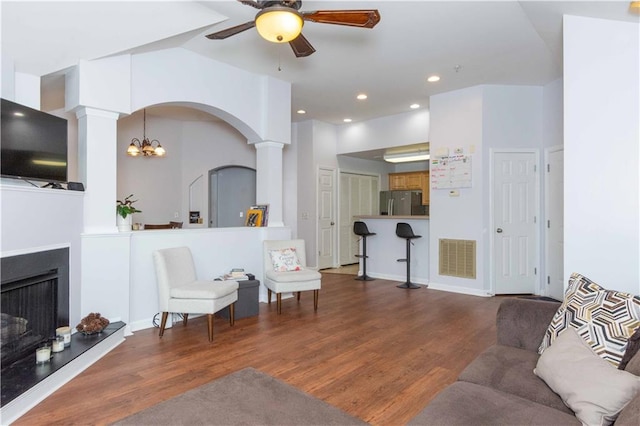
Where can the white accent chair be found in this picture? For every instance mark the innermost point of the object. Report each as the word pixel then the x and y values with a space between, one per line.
pixel 305 279
pixel 180 291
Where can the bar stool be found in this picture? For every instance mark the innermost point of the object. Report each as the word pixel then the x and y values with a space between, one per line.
pixel 360 228
pixel 404 230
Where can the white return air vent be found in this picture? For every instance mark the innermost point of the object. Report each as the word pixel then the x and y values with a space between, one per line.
pixel 458 258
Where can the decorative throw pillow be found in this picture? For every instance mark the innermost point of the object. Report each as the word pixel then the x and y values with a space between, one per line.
pixel 633 346
pixel 594 389
pixel 605 319
pixel 285 260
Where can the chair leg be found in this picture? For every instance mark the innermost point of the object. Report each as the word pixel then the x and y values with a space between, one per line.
pixel 163 323
pixel 185 318
pixel 299 293
pixel 316 293
pixel 269 296
pixel 279 302
pixel 232 313
pixel 210 326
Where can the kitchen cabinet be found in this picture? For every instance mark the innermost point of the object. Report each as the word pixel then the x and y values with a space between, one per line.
pixel 411 181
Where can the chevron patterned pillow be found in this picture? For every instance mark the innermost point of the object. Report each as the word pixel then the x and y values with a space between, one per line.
pixel 605 319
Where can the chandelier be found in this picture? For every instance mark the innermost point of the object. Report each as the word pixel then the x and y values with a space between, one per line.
pixel 147 148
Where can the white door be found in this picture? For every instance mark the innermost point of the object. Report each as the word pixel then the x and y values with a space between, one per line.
pixel 355 209
pixel 346 257
pixel 358 196
pixel 514 216
pixel 326 218
pixel 554 202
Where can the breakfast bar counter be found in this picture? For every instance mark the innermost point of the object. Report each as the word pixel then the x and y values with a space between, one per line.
pixel 397 218
pixel 385 248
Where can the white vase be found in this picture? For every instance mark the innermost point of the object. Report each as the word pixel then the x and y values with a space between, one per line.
pixel 124 224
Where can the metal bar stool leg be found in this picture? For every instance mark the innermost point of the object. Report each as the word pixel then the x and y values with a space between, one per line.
pixel 364 276
pixel 403 230
pixel 360 229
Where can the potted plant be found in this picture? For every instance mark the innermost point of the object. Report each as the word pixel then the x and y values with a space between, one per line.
pixel 124 210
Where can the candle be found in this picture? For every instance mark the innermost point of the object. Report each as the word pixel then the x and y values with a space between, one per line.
pixel 43 354
pixel 58 344
pixel 65 332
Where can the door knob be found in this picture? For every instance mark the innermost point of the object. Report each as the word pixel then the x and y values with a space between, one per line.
pixel 499 230
pixel 333 223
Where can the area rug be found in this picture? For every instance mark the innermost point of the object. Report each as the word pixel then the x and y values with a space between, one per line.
pixel 246 397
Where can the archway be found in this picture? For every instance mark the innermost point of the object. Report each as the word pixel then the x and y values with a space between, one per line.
pixel 232 190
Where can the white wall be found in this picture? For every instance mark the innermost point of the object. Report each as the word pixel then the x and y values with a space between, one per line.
pixel 305 186
pixel 477 120
pixel 457 122
pixel 512 119
pixel 384 132
pixel 290 182
pixel 35 219
pixel 601 139
pixel 215 251
pixel 193 148
pixel 316 143
pixel 552 114
pixel 319 143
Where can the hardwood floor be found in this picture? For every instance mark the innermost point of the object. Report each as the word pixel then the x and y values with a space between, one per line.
pixel 376 351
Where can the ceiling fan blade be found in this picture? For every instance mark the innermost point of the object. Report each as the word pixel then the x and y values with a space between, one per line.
pixel 352 18
pixel 251 3
pixel 301 46
pixel 231 31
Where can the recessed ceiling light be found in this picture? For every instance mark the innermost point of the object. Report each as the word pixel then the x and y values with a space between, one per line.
pixel 18 114
pixel 347 120
pixel 361 96
pixel 414 106
pixel 301 111
pixel 433 78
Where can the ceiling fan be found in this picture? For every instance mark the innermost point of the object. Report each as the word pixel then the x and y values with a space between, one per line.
pixel 281 22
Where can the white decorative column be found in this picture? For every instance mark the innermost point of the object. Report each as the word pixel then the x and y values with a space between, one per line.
pixel 97 137
pixel 269 179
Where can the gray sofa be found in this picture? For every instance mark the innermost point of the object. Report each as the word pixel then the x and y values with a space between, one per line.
pixel 500 388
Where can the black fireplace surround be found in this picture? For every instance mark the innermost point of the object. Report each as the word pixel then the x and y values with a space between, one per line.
pixel 35 301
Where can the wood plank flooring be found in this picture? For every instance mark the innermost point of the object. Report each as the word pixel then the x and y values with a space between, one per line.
pixel 373 350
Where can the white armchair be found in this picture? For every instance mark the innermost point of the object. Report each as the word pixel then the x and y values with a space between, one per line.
pixel 180 291
pixel 285 270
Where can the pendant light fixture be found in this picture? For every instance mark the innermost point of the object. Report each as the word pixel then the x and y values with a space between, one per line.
pixel 147 148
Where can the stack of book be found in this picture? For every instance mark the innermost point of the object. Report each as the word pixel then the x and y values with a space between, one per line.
pixel 236 274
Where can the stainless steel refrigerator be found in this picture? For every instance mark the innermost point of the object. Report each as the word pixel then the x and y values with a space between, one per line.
pixel 402 203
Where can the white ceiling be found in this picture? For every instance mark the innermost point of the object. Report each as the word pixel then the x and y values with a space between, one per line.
pixel 499 42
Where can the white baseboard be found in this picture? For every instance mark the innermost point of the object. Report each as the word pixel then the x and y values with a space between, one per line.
pixel 460 290
pixel 400 278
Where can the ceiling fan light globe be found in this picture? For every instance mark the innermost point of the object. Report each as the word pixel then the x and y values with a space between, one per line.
pixel 279 24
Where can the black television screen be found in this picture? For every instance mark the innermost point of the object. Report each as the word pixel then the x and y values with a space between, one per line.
pixel 33 144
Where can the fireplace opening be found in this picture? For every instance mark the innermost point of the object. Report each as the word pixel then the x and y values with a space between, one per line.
pixel 34 301
pixel 28 315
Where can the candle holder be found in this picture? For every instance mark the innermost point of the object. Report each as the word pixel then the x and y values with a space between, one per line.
pixel 43 354
pixel 65 332
pixel 57 344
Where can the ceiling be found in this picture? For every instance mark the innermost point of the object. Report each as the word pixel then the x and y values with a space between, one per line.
pixel 466 43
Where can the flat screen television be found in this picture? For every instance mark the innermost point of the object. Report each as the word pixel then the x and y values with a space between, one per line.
pixel 33 144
